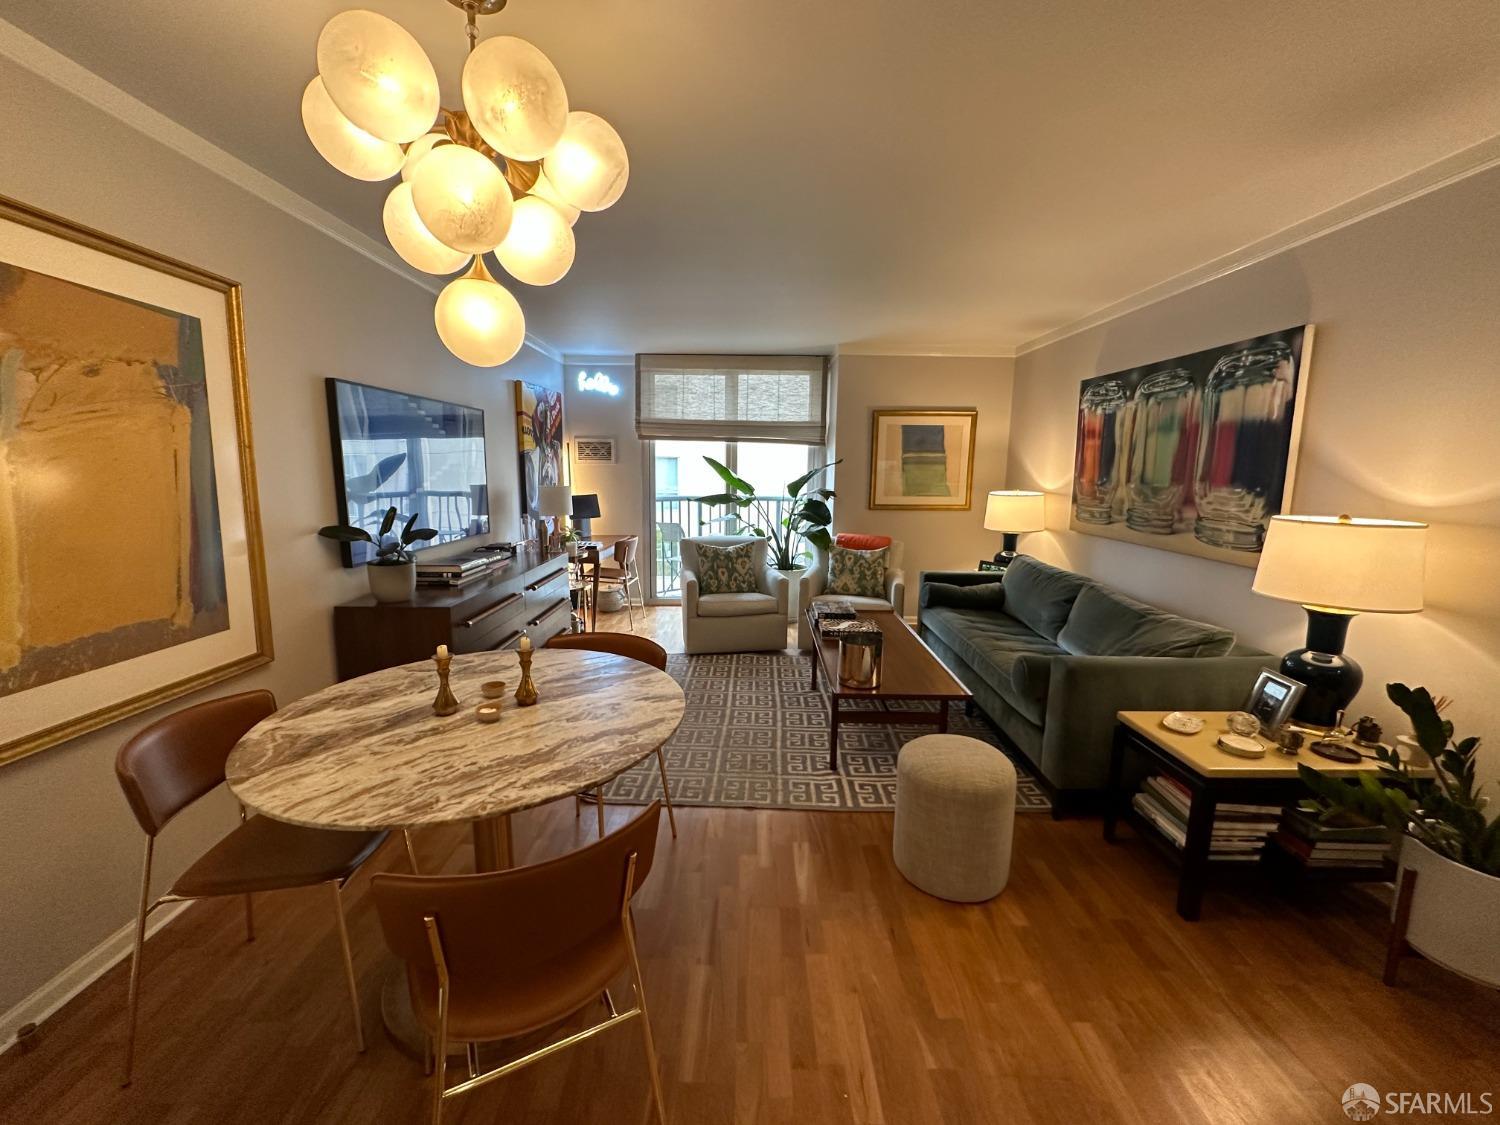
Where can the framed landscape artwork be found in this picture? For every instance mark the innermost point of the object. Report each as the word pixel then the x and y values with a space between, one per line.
pixel 1193 454
pixel 131 569
pixel 539 437
pixel 922 460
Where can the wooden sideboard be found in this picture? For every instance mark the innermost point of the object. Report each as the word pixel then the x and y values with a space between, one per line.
pixel 527 595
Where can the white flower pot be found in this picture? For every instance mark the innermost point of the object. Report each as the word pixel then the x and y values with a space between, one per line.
pixel 794 590
pixel 1455 913
pixel 393 583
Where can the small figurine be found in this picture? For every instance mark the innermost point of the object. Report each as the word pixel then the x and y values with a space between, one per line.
pixel 1367 732
pixel 525 690
pixel 1289 742
pixel 446 702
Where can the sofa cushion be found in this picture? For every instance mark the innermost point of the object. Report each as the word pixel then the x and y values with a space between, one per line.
pixel 995 645
pixel 859 573
pixel 866 604
pixel 857 542
pixel 1041 596
pixel 985 595
pixel 735 605
pixel 1107 623
pixel 727 570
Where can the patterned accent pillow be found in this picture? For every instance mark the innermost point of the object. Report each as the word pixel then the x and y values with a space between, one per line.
pixel 856 574
pixel 726 570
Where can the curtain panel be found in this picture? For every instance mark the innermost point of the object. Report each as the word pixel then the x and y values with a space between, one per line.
pixel 732 397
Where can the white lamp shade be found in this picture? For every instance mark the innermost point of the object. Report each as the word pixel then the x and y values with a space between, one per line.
pixel 543 189
pixel 515 97
pixel 344 144
pixel 1339 563
pixel 418 149
pixel 539 246
pixel 555 500
pixel 479 320
pixel 462 198
pixel 413 241
pixel 589 167
pixel 378 75
pixel 1016 511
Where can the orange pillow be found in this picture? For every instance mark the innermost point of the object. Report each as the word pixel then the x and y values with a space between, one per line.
pixel 854 542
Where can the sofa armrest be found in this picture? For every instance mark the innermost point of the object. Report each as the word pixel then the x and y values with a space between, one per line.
pixel 776 583
pixel 895 590
pixel 812 583
pixel 1086 692
pixel 689 582
pixel 952 578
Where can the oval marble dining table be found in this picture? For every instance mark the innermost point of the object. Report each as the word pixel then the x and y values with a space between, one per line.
pixel 369 753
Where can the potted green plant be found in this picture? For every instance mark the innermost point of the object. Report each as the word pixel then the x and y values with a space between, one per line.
pixel 1446 837
pixel 393 571
pixel 807 519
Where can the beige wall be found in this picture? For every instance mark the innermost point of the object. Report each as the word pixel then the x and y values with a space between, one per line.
pixel 69 850
pixel 620 486
pixel 1403 421
pixel 932 540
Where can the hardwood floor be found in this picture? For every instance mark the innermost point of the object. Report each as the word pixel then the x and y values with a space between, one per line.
pixel 795 977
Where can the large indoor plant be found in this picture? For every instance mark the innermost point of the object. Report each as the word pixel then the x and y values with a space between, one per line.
pixel 807 516
pixel 1447 839
pixel 393 571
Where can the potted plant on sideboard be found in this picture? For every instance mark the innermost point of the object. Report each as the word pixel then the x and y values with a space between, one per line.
pixel 807 517
pixel 393 571
pixel 1448 885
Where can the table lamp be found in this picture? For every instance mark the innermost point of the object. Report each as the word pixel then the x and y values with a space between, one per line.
pixel 1013 513
pixel 585 508
pixel 555 500
pixel 1335 567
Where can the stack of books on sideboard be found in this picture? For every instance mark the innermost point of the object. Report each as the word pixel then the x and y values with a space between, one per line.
pixel 1240 831
pixel 1333 843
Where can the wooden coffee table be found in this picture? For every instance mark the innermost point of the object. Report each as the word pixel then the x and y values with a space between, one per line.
pixel 908 672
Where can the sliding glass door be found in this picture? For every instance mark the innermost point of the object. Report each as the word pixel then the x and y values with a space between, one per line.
pixel 677 474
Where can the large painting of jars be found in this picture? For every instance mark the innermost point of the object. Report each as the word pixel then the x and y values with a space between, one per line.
pixel 1193 454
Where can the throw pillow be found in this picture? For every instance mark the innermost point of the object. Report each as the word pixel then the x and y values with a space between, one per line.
pixel 1040 596
pixel 726 570
pixel 985 595
pixel 856 574
pixel 857 542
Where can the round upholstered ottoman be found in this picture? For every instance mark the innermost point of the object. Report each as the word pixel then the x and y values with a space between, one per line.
pixel 955 812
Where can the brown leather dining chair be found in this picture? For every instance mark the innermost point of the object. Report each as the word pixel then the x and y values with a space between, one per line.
pixel 646 651
pixel 167 766
pixel 623 572
pixel 508 953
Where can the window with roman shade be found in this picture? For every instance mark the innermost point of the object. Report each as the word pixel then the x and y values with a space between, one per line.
pixel 731 397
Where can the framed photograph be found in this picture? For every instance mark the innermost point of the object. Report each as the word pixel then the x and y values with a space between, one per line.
pixel 539 437
pixel 990 566
pixel 1196 453
pixel 922 460
pixel 131 567
pixel 1273 699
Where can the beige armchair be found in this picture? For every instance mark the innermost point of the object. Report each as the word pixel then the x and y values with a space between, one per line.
pixel 754 622
pixel 815 579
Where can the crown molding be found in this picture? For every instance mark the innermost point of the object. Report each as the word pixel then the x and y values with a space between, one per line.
pixel 1439 174
pixel 926 353
pixel 53 66
pixel 602 359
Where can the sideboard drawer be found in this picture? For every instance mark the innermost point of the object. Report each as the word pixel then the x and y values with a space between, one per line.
pixel 544 590
pixel 487 627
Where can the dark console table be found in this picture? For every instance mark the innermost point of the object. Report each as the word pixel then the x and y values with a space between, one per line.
pixel 527 595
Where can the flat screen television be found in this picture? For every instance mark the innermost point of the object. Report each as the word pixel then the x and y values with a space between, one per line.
pixel 420 454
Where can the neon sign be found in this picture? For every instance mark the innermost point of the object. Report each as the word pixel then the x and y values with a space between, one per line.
pixel 598 383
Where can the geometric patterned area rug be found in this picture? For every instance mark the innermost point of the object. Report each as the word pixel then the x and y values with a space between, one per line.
pixel 753 736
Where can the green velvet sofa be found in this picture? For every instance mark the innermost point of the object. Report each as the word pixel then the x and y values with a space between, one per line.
pixel 1051 656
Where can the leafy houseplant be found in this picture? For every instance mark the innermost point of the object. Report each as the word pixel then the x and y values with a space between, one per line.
pixel 807 518
pixel 393 577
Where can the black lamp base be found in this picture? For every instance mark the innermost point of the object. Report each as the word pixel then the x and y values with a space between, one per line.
pixel 1007 553
pixel 1331 679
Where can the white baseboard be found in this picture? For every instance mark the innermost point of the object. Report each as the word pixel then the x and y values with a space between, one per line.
pixel 46 1000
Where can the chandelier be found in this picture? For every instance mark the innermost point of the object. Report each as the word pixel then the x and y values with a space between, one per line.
pixel 508 173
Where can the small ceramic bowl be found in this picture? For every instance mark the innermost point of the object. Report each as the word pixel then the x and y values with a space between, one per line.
pixel 492 689
pixel 1182 722
pixel 1242 723
pixel 488 712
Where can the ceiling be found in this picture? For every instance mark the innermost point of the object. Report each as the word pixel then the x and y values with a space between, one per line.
pixel 945 176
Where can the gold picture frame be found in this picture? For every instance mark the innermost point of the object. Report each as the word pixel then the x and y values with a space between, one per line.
pixel 53 698
pixel 922 460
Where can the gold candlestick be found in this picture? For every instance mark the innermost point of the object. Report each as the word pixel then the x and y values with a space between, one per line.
pixel 446 702
pixel 525 690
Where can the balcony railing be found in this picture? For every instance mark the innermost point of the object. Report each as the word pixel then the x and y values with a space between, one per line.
pixel 683 517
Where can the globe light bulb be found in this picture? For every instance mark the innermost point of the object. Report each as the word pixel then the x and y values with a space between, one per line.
pixel 413 241
pixel 543 189
pixel 344 144
pixel 478 320
pixel 378 75
pixel 418 149
pixel 515 97
pixel 588 167
pixel 462 198
pixel 539 247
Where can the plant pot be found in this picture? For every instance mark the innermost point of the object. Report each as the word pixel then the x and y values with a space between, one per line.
pixel 1455 913
pixel 794 590
pixel 393 582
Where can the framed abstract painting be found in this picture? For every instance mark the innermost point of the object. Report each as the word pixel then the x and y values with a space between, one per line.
pixel 1196 453
pixel 131 568
pixel 539 438
pixel 922 460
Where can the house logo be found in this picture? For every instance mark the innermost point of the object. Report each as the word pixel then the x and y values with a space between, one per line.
pixel 1361 1102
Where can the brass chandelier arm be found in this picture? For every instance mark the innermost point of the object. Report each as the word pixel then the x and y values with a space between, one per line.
pixel 473 9
pixel 520 174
